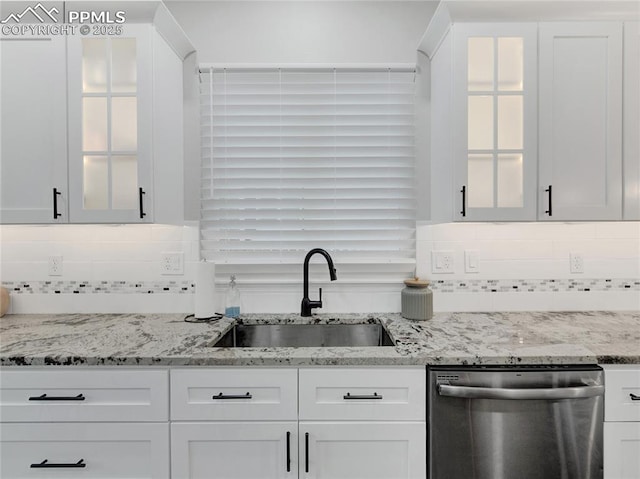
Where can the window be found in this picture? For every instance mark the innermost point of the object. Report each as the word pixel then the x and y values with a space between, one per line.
pixel 297 159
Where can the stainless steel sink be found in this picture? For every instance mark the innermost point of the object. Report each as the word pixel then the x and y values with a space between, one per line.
pixel 304 335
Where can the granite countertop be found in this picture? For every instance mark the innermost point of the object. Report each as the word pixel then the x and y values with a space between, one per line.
pixel 447 338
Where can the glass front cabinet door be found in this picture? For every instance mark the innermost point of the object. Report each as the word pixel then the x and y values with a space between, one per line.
pixel 110 91
pixel 495 134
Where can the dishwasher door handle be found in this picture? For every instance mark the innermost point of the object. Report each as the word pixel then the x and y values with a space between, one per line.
pixel 472 392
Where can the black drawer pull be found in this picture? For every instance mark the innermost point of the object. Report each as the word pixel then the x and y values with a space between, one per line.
pixel 369 396
pixel 550 210
pixel 46 464
pixel 44 397
pixel 464 201
pixel 634 397
pixel 232 396
pixel 288 451
pixel 55 204
pixel 141 193
pixel 306 452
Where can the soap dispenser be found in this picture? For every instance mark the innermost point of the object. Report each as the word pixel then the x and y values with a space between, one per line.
pixel 232 302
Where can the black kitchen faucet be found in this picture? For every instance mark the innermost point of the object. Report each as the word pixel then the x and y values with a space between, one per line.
pixel 307 304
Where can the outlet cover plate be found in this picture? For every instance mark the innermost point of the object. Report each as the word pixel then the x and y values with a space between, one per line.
pixel 442 262
pixel 576 263
pixel 55 265
pixel 171 263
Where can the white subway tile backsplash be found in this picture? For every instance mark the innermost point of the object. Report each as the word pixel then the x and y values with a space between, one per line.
pixel 462 302
pixel 95 303
pixel 452 231
pixel 598 248
pixel 518 249
pixel 125 271
pixel 166 233
pixel 530 301
pixel 618 229
pixel 533 257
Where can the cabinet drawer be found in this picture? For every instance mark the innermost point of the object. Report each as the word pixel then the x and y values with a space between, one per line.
pixel 622 393
pixel 83 395
pixel 133 450
pixel 363 394
pixel 234 394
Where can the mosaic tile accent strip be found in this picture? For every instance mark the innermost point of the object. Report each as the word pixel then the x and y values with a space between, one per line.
pixel 100 287
pixel 533 285
pixel 443 286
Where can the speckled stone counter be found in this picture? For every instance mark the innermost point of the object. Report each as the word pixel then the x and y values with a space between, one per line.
pixel 448 338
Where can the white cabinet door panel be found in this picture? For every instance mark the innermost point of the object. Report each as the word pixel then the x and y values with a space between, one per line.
pixel 621 450
pixel 580 116
pixel 631 111
pixel 110 127
pixel 249 450
pixel 362 450
pixel 33 129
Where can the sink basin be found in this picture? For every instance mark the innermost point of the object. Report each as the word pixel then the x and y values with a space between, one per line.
pixel 304 335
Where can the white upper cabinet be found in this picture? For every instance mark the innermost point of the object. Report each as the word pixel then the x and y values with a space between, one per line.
pixel 33 104
pixel 534 120
pixel 92 125
pixel 110 118
pixel 631 121
pixel 580 114
pixel 494 134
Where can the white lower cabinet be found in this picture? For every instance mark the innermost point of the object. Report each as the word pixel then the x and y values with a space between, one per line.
pixel 107 423
pixel 331 423
pixel 362 450
pixel 87 450
pixel 622 450
pixel 234 450
pixel 622 422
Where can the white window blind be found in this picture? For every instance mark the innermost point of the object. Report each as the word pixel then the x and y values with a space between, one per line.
pixel 299 159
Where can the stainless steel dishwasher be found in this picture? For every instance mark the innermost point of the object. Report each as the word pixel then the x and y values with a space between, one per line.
pixel 515 423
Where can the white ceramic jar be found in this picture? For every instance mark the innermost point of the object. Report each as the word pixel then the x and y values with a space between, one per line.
pixel 417 300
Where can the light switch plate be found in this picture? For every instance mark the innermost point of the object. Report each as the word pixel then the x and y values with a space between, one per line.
pixel 471 262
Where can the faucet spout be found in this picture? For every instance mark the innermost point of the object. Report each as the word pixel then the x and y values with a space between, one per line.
pixel 308 305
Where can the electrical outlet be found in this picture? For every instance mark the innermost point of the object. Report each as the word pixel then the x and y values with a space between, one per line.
pixel 576 263
pixel 55 265
pixel 171 263
pixel 442 262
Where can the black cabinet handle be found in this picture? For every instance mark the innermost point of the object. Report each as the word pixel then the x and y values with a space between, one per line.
pixel 464 201
pixel 56 215
pixel 44 397
pixel 232 396
pixel 141 193
pixel 288 451
pixel 306 452
pixel 550 210
pixel 634 397
pixel 46 464
pixel 365 396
